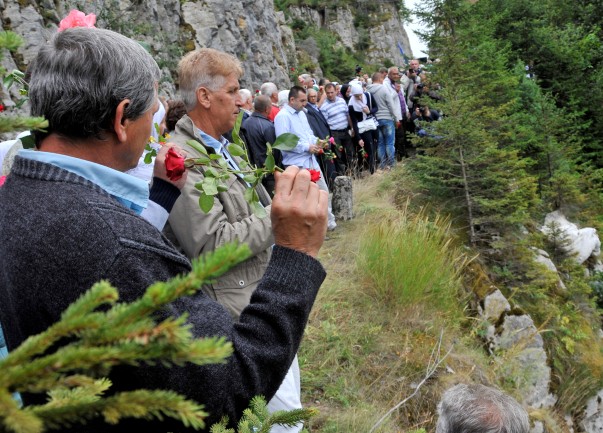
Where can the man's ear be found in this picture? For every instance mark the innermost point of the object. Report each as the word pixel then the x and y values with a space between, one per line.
pixel 120 123
pixel 203 97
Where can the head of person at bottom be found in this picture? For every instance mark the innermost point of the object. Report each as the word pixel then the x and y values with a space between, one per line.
pixel 480 409
pixel 98 91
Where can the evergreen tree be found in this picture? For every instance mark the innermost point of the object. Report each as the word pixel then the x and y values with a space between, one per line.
pixel 467 160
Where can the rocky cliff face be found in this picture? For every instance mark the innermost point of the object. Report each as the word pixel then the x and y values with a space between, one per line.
pixel 250 29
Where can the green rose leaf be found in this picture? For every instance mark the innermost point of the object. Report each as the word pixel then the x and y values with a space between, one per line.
pixel 215 156
pixel 8 81
pixel 157 128
pixel 270 164
pixel 249 195
pixel 222 163
pixel 212 172
pixel 236 128
pixel 222 188
pixel 148 158
pixel 210 186
pixel 206 202
pixel 286 141
pixel 250 178
pixel 197 146
pixel 204 160
pixel 235 150
pixel 258 210
pixel 243 164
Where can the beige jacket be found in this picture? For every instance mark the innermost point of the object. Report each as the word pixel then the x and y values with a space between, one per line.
pixel 194 232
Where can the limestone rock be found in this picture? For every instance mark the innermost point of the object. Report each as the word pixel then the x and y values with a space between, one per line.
pixel 584 243
pixel 593 414
pixel 495 304
pixel 343 202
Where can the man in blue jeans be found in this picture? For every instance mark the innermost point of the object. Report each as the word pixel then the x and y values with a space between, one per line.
pixel 389 116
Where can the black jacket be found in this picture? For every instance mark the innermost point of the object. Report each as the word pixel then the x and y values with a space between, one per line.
pixel 257 131
pixel 317 122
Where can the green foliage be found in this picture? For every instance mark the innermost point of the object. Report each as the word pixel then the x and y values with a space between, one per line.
pixel 256 418
pixel 101 334
pixel 394 254
pixel 11 41
pixel 216 170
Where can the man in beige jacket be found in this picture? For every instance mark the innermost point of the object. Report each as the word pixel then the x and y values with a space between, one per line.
pixel 209 86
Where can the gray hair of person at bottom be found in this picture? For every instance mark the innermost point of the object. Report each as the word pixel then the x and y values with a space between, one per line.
pixel 245 95
pixel 80 76
pixel 480 409
pixel 268 89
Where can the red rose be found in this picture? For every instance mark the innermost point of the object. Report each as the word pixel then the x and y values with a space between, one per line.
pixel 365 155
pixel 2 179
pixel 321 151
pixel 1 108
pixel 174 165
pixel 314 175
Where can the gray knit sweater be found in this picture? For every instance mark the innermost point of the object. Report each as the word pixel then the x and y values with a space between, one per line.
pixel 60 233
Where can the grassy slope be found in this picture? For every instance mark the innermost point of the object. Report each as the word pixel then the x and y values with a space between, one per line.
pixel 368 343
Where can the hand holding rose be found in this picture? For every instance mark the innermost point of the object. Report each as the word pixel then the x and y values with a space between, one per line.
pixel 299 211
pixel 169 166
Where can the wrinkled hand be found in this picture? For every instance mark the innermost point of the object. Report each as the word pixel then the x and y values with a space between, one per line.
pixel 159 169
pixel 299 211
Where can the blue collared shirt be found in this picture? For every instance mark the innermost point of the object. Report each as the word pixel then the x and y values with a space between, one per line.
pixel 296 122
pixel 130 191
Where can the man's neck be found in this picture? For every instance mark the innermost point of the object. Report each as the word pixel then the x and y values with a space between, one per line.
pixel 205 124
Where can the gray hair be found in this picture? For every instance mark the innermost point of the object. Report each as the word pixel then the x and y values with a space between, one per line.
pixel 261 103
pixel 207 68
pixel 80 76
pixel 480 409
pixel 283 98
pixel 268 89
pixel 245 95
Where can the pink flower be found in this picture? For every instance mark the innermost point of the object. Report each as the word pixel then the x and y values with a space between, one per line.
pixel 77 19
pixel 314 175
pixel 2 179
pixel 332 140
pixel 174 165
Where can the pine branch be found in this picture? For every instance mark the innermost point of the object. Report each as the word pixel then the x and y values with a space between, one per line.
pixel 140 404
pixel 124 334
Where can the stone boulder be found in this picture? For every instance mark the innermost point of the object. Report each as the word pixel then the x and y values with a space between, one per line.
pixel 343 199
pixel 582 243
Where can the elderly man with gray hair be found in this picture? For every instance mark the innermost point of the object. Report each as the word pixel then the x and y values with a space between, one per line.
pixel 269 89
pixel 75 218
pixel 480 409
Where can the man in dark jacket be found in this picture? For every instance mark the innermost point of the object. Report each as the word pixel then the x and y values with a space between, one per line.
pixel 257 131
pixel 69 217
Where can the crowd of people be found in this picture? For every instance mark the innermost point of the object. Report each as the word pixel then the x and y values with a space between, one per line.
pixel 85 206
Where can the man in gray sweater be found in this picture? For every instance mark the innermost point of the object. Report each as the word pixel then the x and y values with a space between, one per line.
pixel 69 217
pixel 389 118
